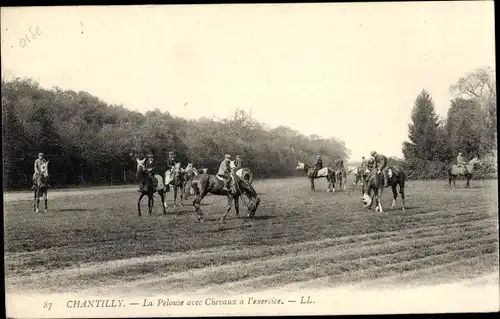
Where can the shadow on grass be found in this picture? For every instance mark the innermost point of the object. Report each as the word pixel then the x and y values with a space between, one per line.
pixel 77 209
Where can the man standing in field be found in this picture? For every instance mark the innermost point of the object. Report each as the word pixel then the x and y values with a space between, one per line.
pixel 362 166
pixel 380 164
pixel 38 167
pixel 225 172
pixel 317 166
pixel 339 163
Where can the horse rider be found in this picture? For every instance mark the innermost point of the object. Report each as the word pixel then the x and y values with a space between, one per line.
pixel 362 166
pixel 339 163
pixel 461 160
pixel 169 166
pixel 225 172
pixel 150 167
pixel 317 166
pixel 237 163
pixel 38 168
pixel 381 164
pixel 370 164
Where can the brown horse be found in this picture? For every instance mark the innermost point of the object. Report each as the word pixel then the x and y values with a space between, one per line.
pixel 203 184
pixel 149 187
pixel 454 171
pixel 374 187
pixel 324 172
pixel 341 177
pixel 41 186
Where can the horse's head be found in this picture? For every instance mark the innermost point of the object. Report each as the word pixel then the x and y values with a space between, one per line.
pixel 253 205
pixel 300 166
pixel 366 200
pixel 475 161
pixel 205 170
pixel 232 165
pixel 189 167
pixel 44 169
pixel 140 165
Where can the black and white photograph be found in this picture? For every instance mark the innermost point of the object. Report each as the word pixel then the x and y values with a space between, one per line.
pixel 249 159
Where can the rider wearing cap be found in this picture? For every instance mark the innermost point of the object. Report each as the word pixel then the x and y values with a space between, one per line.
pixel 237 163
pixel 380 164
pixel 461 160
pixel 38 167
pixel 150 167
pixel 169 166
pixel 339 163
pixel 225 172
pixel 317 166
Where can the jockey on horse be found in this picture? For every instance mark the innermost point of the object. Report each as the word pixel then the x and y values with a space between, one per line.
pixel 317 166
pixel 339 163
pixel 150 167
pixel 38 164
pixel 169 166
pixel 461 160
pixel 225 172
pixel 237 164
pixel 381 164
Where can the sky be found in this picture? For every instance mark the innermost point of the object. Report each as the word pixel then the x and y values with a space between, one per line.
pixel 350 71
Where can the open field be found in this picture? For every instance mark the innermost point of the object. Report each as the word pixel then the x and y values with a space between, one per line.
pixel 93 242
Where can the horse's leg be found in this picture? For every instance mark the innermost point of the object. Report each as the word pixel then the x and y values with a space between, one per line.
pixel 467 183
pixel 162 197
pixel 175 196
pixel 402 192
pixel 395 195
pixel 34 201
pixel 312 184
pixel 182 195
pixel 196 204
pixel 151 201
pixel 37 201
pixel 237 205
pixel 379 199
pixel 229 205
pixel 45 200
pixel 139 204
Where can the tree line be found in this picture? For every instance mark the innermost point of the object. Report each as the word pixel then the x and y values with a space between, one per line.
pixel 470 128
pixel 88 141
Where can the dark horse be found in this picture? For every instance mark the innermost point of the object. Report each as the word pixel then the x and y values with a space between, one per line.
pixel 341 177
pixel 374 187
pixel 189 172
pixel 41 186
pixel 203 184
pixel 467 171
pixel 149 188
pixel 324 172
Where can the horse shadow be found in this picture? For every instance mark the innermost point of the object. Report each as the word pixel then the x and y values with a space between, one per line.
pixel 259 217
pixel 77 209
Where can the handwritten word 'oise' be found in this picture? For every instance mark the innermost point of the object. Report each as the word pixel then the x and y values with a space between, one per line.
pixel 22 41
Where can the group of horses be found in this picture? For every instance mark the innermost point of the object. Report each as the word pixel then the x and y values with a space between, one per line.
pixel 190 181
pixel 372 182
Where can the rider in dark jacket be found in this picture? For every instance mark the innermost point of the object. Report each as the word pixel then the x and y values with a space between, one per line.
pixel 317 166
pixel 381 164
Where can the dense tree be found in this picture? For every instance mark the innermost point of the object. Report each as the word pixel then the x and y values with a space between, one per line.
pixel 89 141
pixel 423 131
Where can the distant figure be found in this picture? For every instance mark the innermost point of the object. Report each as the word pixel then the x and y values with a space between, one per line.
pixel 150 167
pixel 237 163
pixel 363 163
pixel 339 163
pixel 37 168
pixel 317 166
pixel 225 172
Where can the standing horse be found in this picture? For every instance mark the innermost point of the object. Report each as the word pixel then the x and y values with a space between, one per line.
pixel 374 187
pixel 244 173
pixel 359 176
pixel 205 183
pixel 454 171
pixel 149 187
pixel 41 186
pixel 177 181
pixel 341 177
pixel 324 172
pixel 189 172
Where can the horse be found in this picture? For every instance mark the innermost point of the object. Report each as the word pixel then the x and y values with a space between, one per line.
pixel 359 176
pixel 189 172
pixel 341 177
pixel 203 184
pixel 374 186
pixel 244 173
pixel 41 186
pixel 149 188
pixel 324 172
pixel 455 170
pixel 177 181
